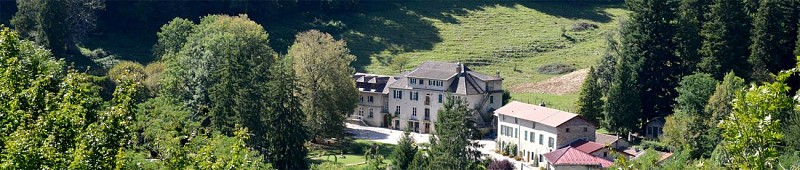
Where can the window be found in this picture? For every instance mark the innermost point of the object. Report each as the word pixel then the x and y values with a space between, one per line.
pixel 440 98
pixel 532 136
pixel 541 158
pixel 360 98
pixel 526 135
pixel 397 110
pixel 502 130
pixel 605 154
pixel 516 132
pixel 361 111
pixel 567 129
pixel 371 99
pixel 398 94
pixel 413 81
pixel 421 81
pixel 491 99
pixel 541 139
pixel 428 100
pixel 550 142
pixel 427 113
pixel 370 113
pixel 414 111
pixel 585 129
pixel 516 120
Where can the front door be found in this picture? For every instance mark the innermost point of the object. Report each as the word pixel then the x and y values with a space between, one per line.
pixel 416 127
pixel 396 124
pixel 427 128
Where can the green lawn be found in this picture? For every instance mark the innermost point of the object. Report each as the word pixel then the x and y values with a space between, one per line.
pixel 354 156
pixel 562 102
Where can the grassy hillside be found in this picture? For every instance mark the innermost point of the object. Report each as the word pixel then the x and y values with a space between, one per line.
pixel 514 38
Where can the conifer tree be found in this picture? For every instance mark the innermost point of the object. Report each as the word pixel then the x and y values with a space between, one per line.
pixel 775 26
pixel 590 102
pixel 691 16
pixel 647 39
pixel 726 38
pixel 403 154
pixel 283 116
pixel 623 109
pixel 450 147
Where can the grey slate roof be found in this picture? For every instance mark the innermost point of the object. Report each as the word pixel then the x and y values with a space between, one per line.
pixel 464 83
pixel 373 83
pixel 434 70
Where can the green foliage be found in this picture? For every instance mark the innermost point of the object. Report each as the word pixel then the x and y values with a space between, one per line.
pixel 322 65
pixel 451 147
pixel 127 71
pixel 284 116
pixel 172 37
pixel 726 38
pixel 647 39
pixel 774 29
pixel 404 152
pixel 648 160
pixel 58 25
pixel 590 102
pixel 688 127
pixel 400 63
pixel 694 92
pixel 420 161
pixel 719 104
pixel 604 72
pixel 624 109
pixel 691 17
pixel 153 72
pixel 754 126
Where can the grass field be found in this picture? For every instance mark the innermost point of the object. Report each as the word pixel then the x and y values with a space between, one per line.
pixel 354 156
pixel 514 38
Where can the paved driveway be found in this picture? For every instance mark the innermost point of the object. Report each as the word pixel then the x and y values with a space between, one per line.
pixel 390 136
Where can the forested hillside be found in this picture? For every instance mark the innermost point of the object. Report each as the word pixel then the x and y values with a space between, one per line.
pixel 518 38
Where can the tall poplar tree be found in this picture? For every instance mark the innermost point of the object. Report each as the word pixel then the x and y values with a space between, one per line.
pixel 726 38
pixel 590 101
pixel 647 39
pixel 774 35
pixel 324 75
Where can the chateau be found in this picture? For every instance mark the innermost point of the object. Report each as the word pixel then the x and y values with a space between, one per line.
pixel 412 99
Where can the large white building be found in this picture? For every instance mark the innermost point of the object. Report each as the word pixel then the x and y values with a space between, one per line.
pixel 412 99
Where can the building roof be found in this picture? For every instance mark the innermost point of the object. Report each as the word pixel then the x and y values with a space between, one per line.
pixel 539 114
pixel 587 146
pixel 572 156
pixel 605 139
pixel 373 83
pixel 436 70
pixel 464 81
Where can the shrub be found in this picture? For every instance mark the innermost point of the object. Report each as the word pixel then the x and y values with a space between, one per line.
pixel 583 26
pixel 127 70
pixel 648 144
pixel 500 165
pixel 555 68
pixel 517 158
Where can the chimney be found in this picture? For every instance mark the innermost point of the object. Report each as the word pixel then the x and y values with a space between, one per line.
pixel 458 68
pixel 497 73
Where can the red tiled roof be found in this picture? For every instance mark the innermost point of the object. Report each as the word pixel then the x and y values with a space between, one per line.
pixel 572 156
pixel 586 146
pixel 539 114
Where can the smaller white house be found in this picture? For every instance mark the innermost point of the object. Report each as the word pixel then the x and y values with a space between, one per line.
pixel 536 130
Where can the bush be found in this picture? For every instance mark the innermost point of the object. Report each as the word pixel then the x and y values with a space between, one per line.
pixel 583 26
pixel 517 158
pixel 127 70
pixel 555 68
pixel 648 144
pixel 500 165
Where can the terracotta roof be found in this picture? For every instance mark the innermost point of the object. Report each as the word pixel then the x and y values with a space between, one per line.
pixel 572 156
pixel 605 139
pixel 586 146
pixel 539 114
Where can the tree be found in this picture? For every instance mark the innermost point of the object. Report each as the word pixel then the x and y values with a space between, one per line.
pixel 323 70
pixel 686 127
pixel 420 161
pixel 403 153
pixel 726 39
pixel 500 165
pixel 647 39
pixel 590 102
pixel 797 46
pixel 691 17
pixel 775 26
pixel 752 132
pixel 400 62
pixel 58 25
pixel 127 71
pixel 623 109
pixel 451 147
pixel 172 37
pixel 284 116
pixel 605 67
pixel 719 104
pixel 648 160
